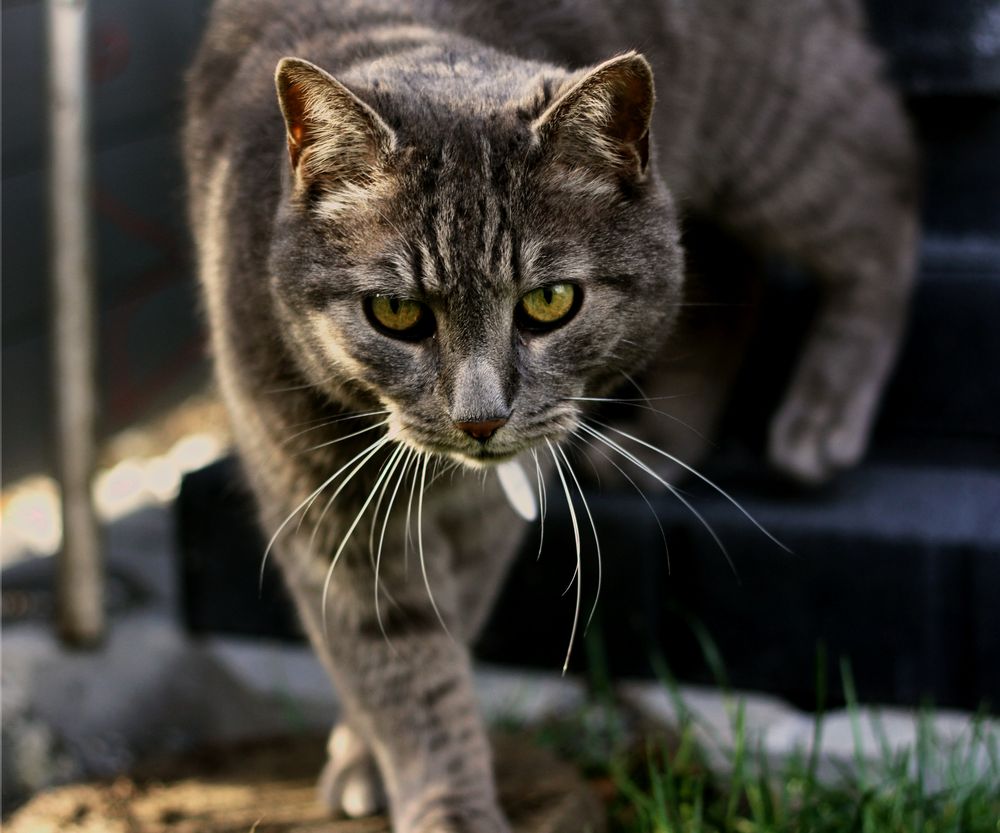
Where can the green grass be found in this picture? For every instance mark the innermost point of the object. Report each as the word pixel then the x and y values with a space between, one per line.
pixel 664 785
pixel 675 793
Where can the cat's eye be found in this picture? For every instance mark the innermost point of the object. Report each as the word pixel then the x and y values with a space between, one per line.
pixel 548 306
pixel 399 317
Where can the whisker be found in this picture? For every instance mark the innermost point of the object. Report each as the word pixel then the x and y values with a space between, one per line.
pixel 306 386
pixel 375 449
pixel 420 543
pixel 381 539
pixel 383 473
pixel 593 529
pixel 635 384
pixel 542 499
pixel 644 406
pixel 346 437
pixel 377 444
pixel 573 440
pixel 441 471
pixel 625 400
pixel 408 539
pixel 576 574
pixel 701 477
pixel 325 421
pixel 642 494
pixel 389 223
pixel 672 489
pixel 393 458
pixel 305 506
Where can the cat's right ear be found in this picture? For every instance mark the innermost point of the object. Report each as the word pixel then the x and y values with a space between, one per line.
pixel 334 138
pixel 600 122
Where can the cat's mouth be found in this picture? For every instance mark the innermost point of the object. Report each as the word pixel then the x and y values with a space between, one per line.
pixel 485 457
pixel 481 455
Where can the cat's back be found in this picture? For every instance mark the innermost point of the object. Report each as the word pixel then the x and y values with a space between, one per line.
pixel 567 32
pixel 704 53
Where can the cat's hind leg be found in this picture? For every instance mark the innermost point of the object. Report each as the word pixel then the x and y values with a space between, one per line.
pixel 830 179
pixel 350 783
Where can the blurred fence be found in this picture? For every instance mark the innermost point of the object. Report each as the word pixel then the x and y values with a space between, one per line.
pixel 150 344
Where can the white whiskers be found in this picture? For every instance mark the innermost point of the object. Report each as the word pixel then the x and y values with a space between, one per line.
pixel 306 504
pixel 643 405
pixel 323 422
pixel 593 529
pixel 373 449
pixel 642 494
pixel 701 477
pixel 672 489
pixel 576 574
pixel 420 542
pixel 383 473
pixel 542 503
pixel 345 437
pixel 381 538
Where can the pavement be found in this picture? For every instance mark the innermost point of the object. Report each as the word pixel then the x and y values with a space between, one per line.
pixel 151 689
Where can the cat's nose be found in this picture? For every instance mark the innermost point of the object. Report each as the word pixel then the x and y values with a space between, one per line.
pixel 482 429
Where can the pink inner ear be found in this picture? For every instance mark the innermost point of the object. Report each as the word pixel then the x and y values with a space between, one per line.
pixel 296 119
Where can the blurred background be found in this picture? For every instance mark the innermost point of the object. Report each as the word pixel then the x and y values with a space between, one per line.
pixel 897 565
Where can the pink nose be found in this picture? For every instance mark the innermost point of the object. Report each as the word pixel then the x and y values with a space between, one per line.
pixel 481 430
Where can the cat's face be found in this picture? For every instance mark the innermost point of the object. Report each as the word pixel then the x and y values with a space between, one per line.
pixel 477 280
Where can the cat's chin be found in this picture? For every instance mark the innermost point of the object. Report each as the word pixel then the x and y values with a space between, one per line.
pixel 484 459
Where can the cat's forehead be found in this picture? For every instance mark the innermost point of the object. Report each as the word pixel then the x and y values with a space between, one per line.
pixel 465 212
pixel 475 222
pixel 466 265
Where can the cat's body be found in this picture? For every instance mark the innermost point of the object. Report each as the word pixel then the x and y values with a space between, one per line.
pixel 469 163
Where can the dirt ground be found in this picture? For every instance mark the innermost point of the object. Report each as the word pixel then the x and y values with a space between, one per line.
pixel 268 787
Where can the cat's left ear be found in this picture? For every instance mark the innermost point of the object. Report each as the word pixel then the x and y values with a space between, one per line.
pixel 601 122
pixel 332 134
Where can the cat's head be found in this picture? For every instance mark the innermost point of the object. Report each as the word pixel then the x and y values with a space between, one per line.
pixel 475 268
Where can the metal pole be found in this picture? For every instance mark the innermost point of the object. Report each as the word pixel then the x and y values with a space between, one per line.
pixel 80 582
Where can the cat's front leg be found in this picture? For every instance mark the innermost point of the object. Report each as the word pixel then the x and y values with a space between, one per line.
pixel 417 708
pixel 825 421
pixel 406 685
pixel 826 418
pixel 825 170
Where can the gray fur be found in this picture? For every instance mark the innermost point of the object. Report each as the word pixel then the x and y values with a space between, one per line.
pixel 466 154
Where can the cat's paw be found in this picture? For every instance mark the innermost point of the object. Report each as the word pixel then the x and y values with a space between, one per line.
pixel 463 822
pixel 812 438
pixel 350 784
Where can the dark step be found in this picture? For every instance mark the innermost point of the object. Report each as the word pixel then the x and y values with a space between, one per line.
pixel 894 567
pixel 959 138
pixel 950 48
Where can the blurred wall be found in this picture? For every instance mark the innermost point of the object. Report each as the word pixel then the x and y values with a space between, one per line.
pixel 151 349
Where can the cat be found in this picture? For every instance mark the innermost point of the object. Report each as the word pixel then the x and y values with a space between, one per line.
pixel 430 232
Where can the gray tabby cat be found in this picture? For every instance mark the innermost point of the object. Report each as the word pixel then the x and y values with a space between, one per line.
pixel 457 225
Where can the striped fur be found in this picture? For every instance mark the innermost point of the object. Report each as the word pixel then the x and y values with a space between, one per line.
pixel 463 153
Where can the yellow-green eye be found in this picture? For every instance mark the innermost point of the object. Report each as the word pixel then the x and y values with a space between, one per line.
pixel 549 305
pixel 399 317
